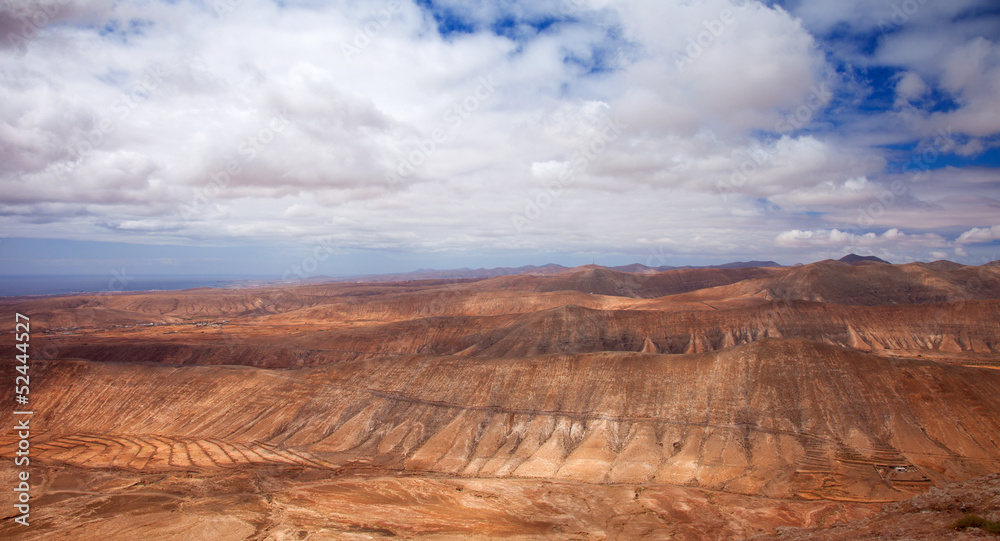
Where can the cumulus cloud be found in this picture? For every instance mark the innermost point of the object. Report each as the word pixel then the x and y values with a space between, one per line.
pixel 979 235
pixel 836 238
pixel 599 123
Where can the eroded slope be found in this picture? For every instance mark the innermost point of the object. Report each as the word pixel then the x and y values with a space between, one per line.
pixel 779 418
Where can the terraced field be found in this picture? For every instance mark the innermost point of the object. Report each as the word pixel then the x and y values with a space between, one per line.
pixel 153 453
pixel 530 410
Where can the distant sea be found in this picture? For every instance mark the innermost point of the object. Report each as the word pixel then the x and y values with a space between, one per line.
pixel 15 285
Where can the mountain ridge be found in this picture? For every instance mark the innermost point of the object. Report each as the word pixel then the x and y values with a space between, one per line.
pixel 710 403
pixel 551 269
pixel 466 273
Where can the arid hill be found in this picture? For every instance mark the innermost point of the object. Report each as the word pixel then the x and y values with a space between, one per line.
pixel 854 259
pixel 870 285
pixel 692 404
pixel 601 281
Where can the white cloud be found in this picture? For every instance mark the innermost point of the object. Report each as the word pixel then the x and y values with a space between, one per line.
pixel 910 87
pixel 979 235
pixel 111 137
pixel 892 238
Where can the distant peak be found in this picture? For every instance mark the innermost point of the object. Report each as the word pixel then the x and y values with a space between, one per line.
pixel 854 259
pixel 747 265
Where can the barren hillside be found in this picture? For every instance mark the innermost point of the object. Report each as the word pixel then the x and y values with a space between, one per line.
pixel 589 404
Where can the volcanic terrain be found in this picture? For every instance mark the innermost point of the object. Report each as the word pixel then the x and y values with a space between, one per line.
pixel 583 403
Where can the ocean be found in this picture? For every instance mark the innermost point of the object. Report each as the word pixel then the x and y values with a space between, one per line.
pixel 16 285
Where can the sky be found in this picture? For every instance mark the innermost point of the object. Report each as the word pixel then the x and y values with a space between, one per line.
pixel 343 137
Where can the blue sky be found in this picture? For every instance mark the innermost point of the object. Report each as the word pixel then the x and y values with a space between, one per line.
pixel 237 137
